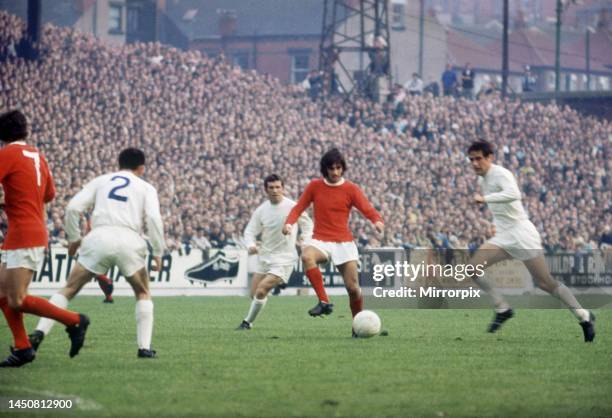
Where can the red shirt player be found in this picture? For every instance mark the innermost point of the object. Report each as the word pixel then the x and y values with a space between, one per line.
pixel 333 197
pixel 28 185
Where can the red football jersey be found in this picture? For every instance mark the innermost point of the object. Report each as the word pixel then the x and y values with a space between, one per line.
pixel 28 185
pixel 332 208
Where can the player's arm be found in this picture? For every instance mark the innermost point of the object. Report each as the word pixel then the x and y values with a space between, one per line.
pixel 155 226
pixel 306 226
pixel 49 194
pixel 49 190
pixel 251 231
pixel 509 189
pixel 81 202
pixel 363 205
pixel 4 165
pixel 303 202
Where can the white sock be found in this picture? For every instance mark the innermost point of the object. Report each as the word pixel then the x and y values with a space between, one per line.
pixel 500 303
pixel 256 306
pixel 144 323
pixel 566 296
pixel 45 324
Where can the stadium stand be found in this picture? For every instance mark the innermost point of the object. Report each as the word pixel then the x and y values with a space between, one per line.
pixel 212 132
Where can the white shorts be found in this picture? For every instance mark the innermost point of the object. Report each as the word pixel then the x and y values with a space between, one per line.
pixel 27 258
pixel 521 242
pixel 283 271
pixel 338 252
pixel 108 246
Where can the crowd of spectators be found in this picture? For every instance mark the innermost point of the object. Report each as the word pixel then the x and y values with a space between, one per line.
pixel 212 132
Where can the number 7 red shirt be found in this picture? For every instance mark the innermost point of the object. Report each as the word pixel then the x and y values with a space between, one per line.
pixel 28 185
pixel 332 208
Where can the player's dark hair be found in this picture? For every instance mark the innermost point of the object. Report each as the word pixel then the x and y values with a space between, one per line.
pixel 131 158
pixel 13 126
pixel 272 178
pixel 331 157
pixel 481 145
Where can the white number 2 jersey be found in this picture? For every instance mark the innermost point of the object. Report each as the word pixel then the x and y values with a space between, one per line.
pixel 118 199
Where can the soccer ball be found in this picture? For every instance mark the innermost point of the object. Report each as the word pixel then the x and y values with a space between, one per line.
pixel 366 324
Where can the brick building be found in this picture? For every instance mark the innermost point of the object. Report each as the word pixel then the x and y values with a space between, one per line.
pixel 277 37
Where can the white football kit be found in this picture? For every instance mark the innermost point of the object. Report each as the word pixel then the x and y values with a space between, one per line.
pixel 122 204
pixel 277 253
pixel 514 232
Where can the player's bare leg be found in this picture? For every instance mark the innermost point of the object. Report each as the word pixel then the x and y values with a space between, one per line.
pixel 79 277
pixel 311 258
pixel 14 284
pixel 350 275
pixel 269 282
pixel 541 276
pixel 260 296
pixel 144 312
pixel 488 255
pixel 257 278
pixel 22 352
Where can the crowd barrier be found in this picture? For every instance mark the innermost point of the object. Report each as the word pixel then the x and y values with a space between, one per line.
pixel 226 272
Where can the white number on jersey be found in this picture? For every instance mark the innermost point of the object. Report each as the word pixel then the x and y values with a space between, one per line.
pixel 36 158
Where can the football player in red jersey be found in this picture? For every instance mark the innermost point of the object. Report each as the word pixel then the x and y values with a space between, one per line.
pixel 27 184
pixel 333 197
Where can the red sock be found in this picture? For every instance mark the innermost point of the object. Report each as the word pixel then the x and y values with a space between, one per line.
pixel 105 279
pixel 316 280
pixel 42 307
pixel 356 305
pixel 14 319
pixel 106 285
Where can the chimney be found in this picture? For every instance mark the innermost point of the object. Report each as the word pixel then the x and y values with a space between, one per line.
pixel 227 22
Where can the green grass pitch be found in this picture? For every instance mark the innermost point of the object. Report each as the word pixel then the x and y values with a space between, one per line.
pixel 434 363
